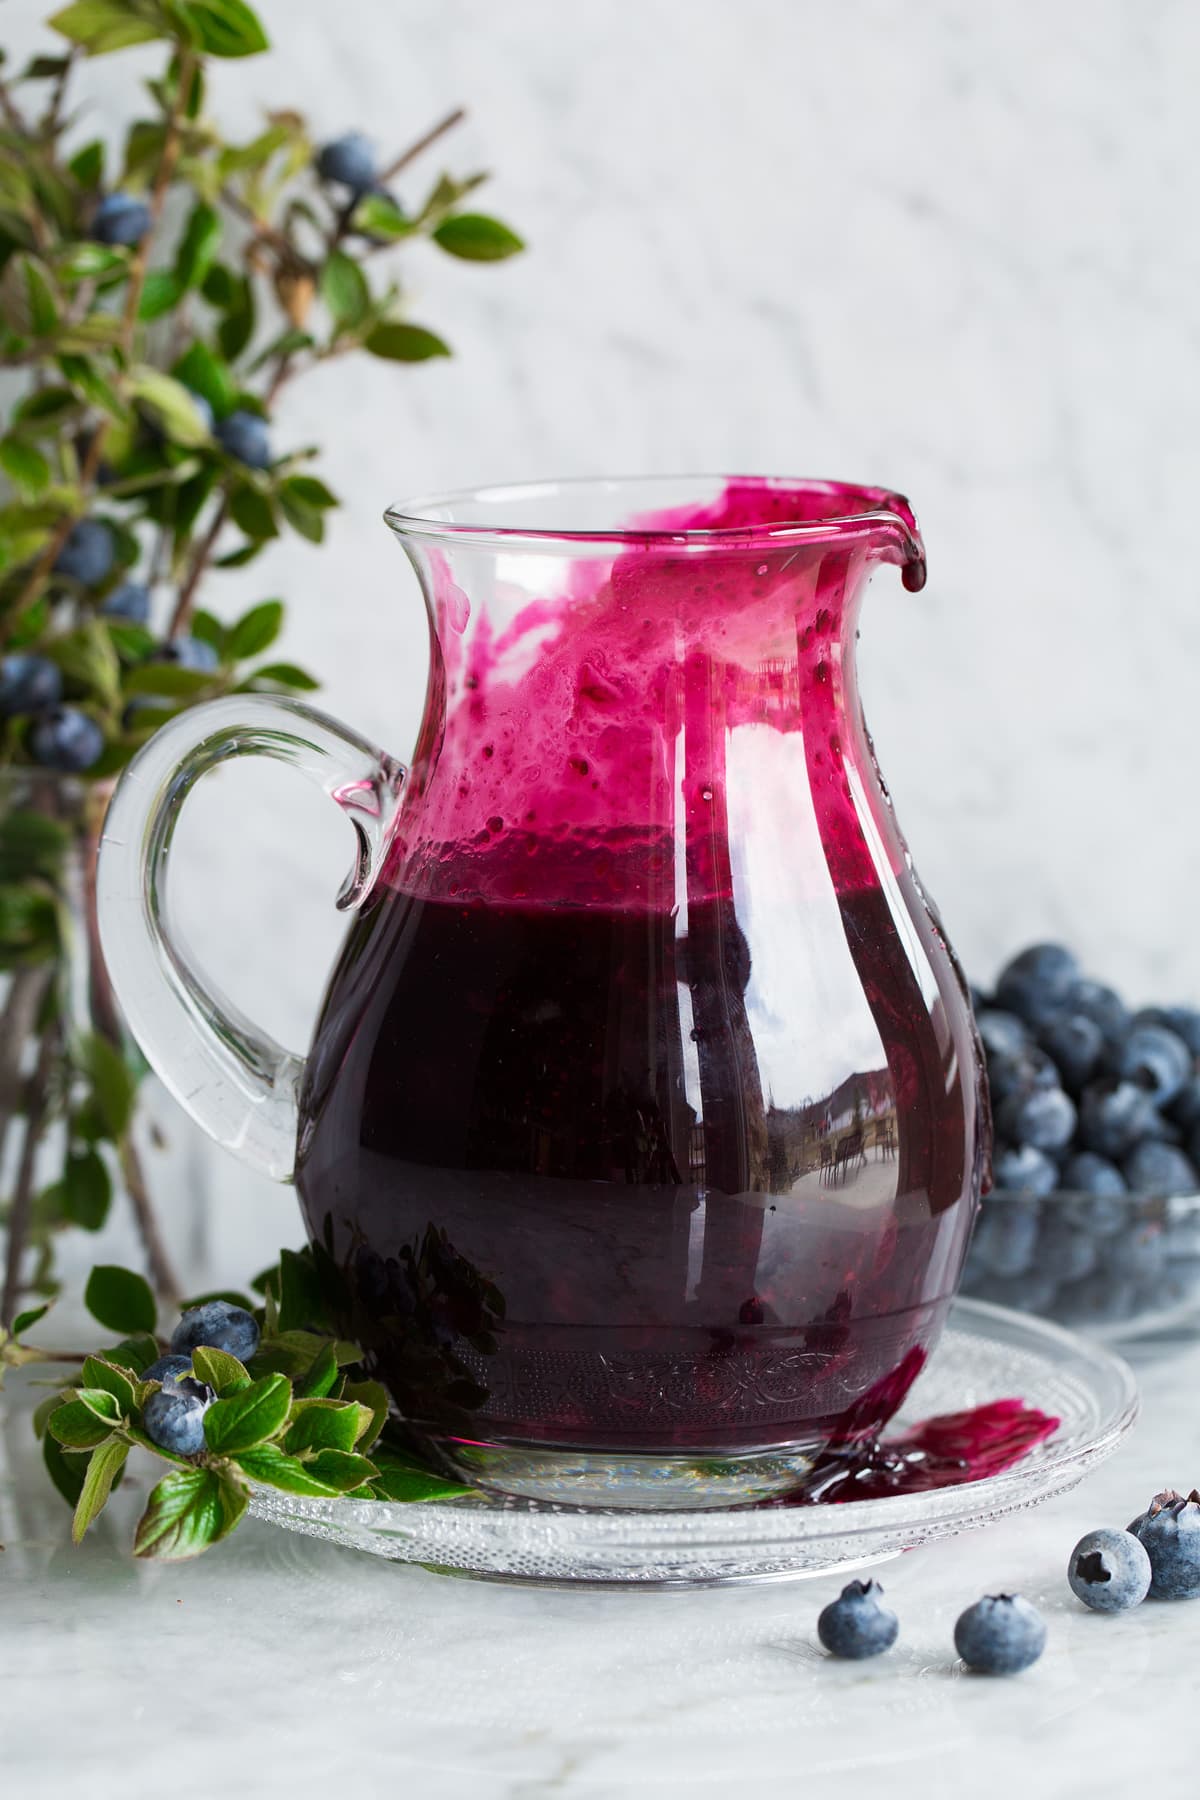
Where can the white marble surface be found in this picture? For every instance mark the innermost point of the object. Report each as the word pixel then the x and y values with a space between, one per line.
pixel 278 1665
pixel 947 247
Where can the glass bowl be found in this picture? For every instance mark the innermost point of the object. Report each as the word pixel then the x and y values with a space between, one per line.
pixel 1118 1267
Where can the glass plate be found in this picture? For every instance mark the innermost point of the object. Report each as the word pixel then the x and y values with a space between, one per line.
pixel 986 1353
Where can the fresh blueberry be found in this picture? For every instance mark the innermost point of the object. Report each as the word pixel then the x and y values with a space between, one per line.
pixel 246 437
pixel 1065 1245
pixel 1156 1060
pixel 28 683
pixel 121 219
pixel 88 553
pixel 130 601
pixel 1045 1119
pixel 1184 1021
pixel 1104 1006
pixel 1025 1170
pixel 190 653
pixel 174 1416
pixel 1075 1044
pixel 168 1368
pixel 1000 1635
pixel 1035 1291
pixel 1109 1571
pixel 1184 1109
pixel 1113 1115
pixel 1138 1254
pixel 221 1326
pixel 1104 1298
pixel 1031 1068
pixel 1153 1167
pixel 1038 983
pixel 66 739
pixel 1170 1532
pixel 350 161
pixel 1006 1236
pixel 1001 1033
pixel 1087 1173
pixel 856 1625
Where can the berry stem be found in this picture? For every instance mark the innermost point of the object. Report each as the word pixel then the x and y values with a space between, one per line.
pixel 21 1213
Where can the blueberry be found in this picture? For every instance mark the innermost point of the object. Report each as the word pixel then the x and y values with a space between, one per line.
pixel 1025 1170
pixel 1104 1298
pixel 1000 1635
pixel 1006 1236
pixel 1109 1571
pixel 167 1368
pixel 1156 1060
pixel 1075 1044
pixel 1138 1254
pixel 1113 1115
pixel 121 219
pixel 28 683
pixel 219 1325
pixel 1001 1033
pixel 190 653
pixel 1065 1246
pixel 1169 1530
pixel 1156 1168
pixel 174 1416
pixel 1045 1119
pixel 130 601
pixel 1033 1292
pixel 350 161
pixel 1031 1068
pixel 1038 983
pixel 856 1625
pixel 66 739
pixel 246 437
pixel 1184 1021
pixel 88 554
pixel 1104 1006
pixel 1087 1173
pixel 1184 1109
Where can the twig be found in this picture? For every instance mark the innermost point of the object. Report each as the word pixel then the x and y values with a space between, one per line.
pixel 52 119
pixel 158 1262
pixel 199 563
pixel 424 143
pixel 21 1213
pixel 18 1021
pixel 12 111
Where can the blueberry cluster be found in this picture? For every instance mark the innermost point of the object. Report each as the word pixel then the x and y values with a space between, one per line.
pixel 174 1414
pixel 1156 1556
pixel 1000 1635
pixel 1097 1119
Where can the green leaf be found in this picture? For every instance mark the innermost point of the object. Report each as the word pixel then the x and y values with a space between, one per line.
pixel 188 1510
pixel 86 1190
pixel 114 1086
pixel 285 675
pixel 161 293
pixel 223 27
pixel 271 1467
pixel 293 1352
pixel 209 629
pixel 99 1373
pixel 136 1353
pixel 221 1371
pixel 400 1478
pixel 32 845
pixel 66 1472
pixel 25 466
pixel 341 1469
pixel 25 1321
pixel 404 343
pixel 237 327
pixel 105 25
pixel 311 491
pixel 372 1398
pixel 344 290
pixel 253 633
pixel 320 1378
pixel 378 216
pixel 305 519
pixel 132 643
pixel 89 662
pixel 89 262
pixel 252 511
pixel 170 403
pixel 104 1467
pixel 28 925
pixel 325 1425
pixel 78 1427
pixel 477 238
pixel 198 246
pixel 99 1401
pixel 203 373
pixel 301 1301
pixel 168 680
pixel 120 1299
pixel 87 166
pixel 249 1417
pixel 39 296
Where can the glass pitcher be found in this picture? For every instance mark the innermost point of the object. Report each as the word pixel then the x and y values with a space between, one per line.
pixel 643 1123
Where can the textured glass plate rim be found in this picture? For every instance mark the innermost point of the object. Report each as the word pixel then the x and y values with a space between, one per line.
pixel 582 1532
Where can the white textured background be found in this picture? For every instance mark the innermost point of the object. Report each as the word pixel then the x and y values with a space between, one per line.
pixel 943 246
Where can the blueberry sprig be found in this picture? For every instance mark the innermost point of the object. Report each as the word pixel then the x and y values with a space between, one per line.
pixel 242 1397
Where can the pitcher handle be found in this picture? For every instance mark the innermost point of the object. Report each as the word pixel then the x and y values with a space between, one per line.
pixel 232 1077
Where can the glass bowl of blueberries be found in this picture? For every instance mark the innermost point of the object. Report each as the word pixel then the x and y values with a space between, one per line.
pixel 1094 1216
